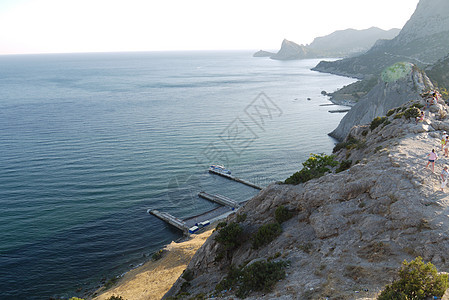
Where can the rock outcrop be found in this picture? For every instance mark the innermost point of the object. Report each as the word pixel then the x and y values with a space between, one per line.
pixel 423 40
pixel 397 85
pixel 350 231
pixel 290 50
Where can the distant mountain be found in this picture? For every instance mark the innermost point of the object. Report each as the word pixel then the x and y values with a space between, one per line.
pixel 350 41
pixel 340 43
pixel 423 41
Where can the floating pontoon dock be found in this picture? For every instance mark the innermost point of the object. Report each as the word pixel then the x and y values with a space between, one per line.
pixel 220 199
pixel 236 179
pixel 178 223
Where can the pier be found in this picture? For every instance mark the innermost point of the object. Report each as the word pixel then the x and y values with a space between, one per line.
pixel 178 223
pixel 220 199
pixel 236 179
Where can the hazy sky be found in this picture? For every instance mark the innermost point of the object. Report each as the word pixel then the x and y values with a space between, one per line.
pixel 40 26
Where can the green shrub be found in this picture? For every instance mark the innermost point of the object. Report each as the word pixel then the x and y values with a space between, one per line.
pixel 230 236
pixel 416 281
pixel 241 218
pixel 376 122
pixel 399 115
pixel 113 297
pixel 391 111
pixel 259 276
pixel 157 255
pixel 282 214
pixel 412 113
pixel 351 143
pixel 265 234
pixel 417 105
pixel 344 165
pixel 221 225
pixel 314 167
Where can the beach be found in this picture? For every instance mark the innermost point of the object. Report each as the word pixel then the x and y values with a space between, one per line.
pixel 153 279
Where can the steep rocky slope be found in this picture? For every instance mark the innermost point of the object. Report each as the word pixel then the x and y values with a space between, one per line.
pixel 350 231
pixel 397 85
pixel 423 40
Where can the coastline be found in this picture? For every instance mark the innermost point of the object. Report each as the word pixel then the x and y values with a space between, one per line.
pixel 154 278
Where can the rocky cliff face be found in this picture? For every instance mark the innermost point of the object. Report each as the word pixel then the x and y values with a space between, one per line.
pixel 397 85
pixel 350 231
pixel 430 17
pixel 423 41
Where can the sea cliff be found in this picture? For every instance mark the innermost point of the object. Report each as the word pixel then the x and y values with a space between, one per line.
pixel 349 231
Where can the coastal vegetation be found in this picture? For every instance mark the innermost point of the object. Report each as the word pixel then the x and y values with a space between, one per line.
pixel 265 234
pixel 416 280
pixel 282 214
pixel 259 276
pixel 314 167
pixel 230 236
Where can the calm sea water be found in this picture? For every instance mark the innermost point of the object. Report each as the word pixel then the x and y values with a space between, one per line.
pixel 89 142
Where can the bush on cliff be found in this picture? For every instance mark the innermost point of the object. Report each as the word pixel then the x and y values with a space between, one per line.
pixel 412 113
pixel 376 122
pixel 350 143
pixel 416 281
pixel 266 234
pixel 230 236
pixel 259 276
pixel 282 214
pixel 316 166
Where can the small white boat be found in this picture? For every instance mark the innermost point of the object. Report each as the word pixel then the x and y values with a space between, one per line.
pixel 219 169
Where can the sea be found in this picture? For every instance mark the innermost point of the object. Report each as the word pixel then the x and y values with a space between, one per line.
pixel 89 142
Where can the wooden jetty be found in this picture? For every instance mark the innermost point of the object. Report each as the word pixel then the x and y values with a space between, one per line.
pixel 236 179
pixel 178 223
pixel 220 199
pixel 339 111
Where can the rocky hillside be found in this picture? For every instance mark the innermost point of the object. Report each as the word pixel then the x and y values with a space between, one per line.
pixel 396 85
pixel 439 73
pixel 423 40
pixel 349 232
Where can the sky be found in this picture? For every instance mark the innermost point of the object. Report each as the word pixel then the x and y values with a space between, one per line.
pixel 65 26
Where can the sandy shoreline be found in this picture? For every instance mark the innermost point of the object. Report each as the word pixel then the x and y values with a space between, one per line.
pixel 153 279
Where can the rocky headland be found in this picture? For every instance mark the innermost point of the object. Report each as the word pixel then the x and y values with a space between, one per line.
pixel 396 85
pixel 350 231
pixel 341 43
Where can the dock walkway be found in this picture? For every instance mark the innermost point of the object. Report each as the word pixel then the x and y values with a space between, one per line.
pixel 236 179
pixel 220 199
pixel 178 223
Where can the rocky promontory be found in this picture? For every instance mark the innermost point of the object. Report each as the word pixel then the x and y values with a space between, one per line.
pixel 348 232
pixel 262 53
pixel 396 85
